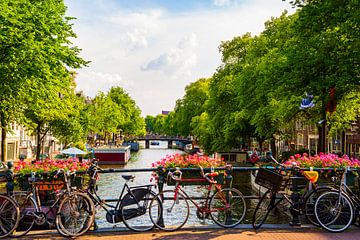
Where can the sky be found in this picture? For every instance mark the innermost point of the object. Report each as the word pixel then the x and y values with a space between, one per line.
pixel 154 48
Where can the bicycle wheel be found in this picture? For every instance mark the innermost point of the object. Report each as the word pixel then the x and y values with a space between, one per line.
pixel 75 215
pixel 175 210
pixel 227 207
pixel 357 218
pixel 263 208
pixel 9 216
pixel 334 213
pixel 136 215
pixel 27 213
pixel 309 204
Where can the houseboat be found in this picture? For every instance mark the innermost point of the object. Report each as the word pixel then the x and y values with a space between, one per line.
pixel 234 157
pixel 134 146
pixel 113 155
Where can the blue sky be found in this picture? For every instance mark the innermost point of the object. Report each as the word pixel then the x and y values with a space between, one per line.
pixel 154 48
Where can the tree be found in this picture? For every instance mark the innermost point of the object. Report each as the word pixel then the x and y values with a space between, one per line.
pixel 105 115
pixel 73 129
pixel 35 52
pixel 150 121
pixel 324 57
pixel 191 105
pixel 131 122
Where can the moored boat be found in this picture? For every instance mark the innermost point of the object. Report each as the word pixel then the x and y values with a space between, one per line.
pixel 113 155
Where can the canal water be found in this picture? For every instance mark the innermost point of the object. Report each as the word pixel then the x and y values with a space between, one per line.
pixel 110 185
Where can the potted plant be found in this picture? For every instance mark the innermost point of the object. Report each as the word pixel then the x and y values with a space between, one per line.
pixel 43 169
pixel 323 160
pixel 170 162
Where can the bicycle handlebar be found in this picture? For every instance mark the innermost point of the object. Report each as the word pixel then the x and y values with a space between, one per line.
pixel 173 176
pixel 205 175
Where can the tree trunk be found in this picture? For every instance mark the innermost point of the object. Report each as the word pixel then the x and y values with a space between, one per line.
pixel 3 145
pixel 38 142
pixel 343 143
pixel 273 147
pixel 3 139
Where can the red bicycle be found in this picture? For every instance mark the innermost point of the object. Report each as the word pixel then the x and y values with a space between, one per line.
pixel 225 206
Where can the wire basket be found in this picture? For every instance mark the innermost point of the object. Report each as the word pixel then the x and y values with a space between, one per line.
pixel 3 176
pixel 271 180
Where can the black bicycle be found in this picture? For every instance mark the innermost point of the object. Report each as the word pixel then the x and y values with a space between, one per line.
pixel 277 183
pixel 72 212
pixel 336 210
pixel 132 207
pixel 9 210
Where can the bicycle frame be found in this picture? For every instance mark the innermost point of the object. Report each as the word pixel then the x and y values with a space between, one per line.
pixel 108 208
pixel 345 190
pixel 205 209
pixel 101 203
pixel 33 194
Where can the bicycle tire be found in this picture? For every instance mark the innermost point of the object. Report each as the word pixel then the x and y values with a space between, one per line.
pixel 138 218
pixel 357 219
pixel 334 215
pixel 27 208
pixel 263 208
pixel 227 218
pixel 75 215
pixel 9 216
pixel 309 203
pixel 175 210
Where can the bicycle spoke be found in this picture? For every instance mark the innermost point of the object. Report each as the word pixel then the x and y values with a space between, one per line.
pixel 333 212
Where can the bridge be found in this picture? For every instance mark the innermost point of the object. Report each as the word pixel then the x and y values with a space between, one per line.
pixel 154 137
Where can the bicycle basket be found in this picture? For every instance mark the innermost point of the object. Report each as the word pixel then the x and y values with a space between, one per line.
pixel 3 176
pixel 139 193
pixel 270 179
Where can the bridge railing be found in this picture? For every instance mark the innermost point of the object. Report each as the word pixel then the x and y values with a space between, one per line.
pixel 161 181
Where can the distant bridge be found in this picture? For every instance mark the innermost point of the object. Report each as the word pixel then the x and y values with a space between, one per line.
pixel 169 139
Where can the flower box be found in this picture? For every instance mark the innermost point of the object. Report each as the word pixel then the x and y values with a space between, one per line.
pixel 46 171
pixel 194 178
pixel 189 161
pixel 51 184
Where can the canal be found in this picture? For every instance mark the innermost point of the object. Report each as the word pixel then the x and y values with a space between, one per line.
pixel 110 185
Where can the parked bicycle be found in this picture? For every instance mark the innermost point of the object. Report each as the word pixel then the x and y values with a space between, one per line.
pixel 132 206
pixel 9 210
pixel 71 212
pixel 278 192
pixel 336 210
pixel 225 206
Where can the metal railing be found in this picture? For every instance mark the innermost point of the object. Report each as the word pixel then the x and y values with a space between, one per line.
pixel 162 175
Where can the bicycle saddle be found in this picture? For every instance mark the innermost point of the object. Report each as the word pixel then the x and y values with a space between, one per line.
pixel 213 174
pixel 128 177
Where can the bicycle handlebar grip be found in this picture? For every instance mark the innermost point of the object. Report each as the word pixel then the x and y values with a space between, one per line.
pixel 174 177
pixel 210 181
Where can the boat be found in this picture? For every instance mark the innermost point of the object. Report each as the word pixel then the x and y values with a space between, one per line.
pixel 155 143
pixel 235 158
pixel 134 146
pixel 113 155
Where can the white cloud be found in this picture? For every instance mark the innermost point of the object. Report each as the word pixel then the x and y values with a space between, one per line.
pixel 92 82
pixel 221 3
pixel 137 38
pixel 153 53
pixel 179 61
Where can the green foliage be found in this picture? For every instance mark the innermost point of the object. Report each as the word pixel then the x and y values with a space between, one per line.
pixel 191 105
pixel 115 112
pixel 257 90
pixel 35 54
